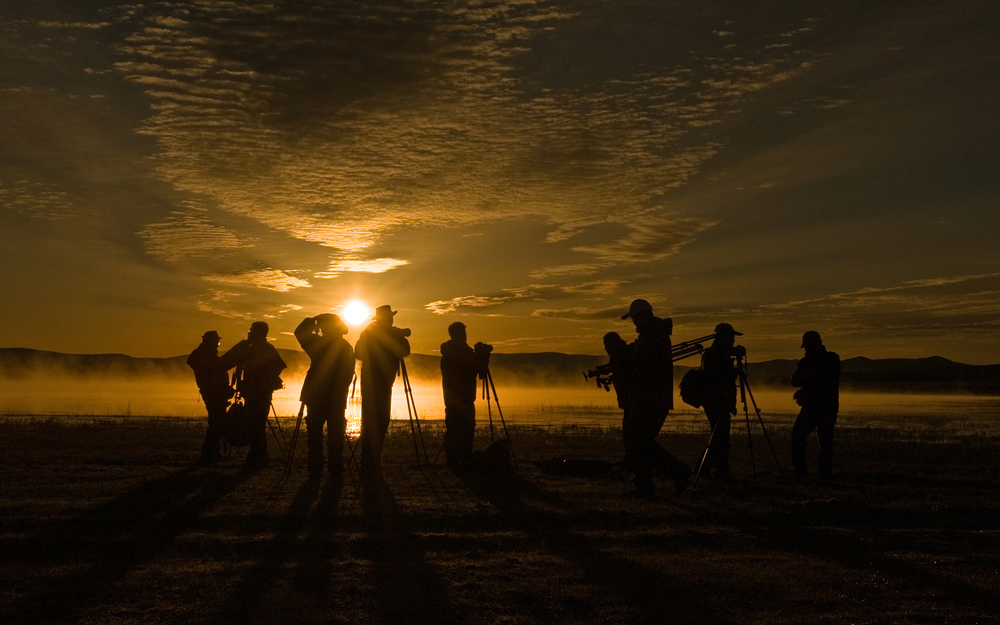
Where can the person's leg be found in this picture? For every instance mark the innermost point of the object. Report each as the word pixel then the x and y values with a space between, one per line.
pixel 315 419
pixel 804 425
pixel 824 431
pixel 258 409
pixel 722 438
pixel 336 432
pixel 211 448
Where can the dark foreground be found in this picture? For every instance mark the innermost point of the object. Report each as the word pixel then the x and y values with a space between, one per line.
pixel 107 521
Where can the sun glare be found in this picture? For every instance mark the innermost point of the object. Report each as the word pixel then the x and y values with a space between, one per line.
pixel 356 313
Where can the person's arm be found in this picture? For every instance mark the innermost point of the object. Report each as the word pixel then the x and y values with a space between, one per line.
pixel 305 332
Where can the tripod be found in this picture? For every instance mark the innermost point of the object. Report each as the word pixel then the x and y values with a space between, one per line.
pixel 489 386
pixel 411 412
pixel 298 427
pixel 745 391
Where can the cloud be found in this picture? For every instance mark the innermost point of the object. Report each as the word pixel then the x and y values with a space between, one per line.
pixel 190 235
pixel 270 279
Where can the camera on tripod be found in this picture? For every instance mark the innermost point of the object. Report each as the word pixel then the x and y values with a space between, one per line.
pixel 401 332
pixel 603 375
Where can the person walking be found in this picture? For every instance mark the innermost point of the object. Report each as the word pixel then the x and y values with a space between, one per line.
pixel 325 389
pixel 380 348
pixel 651 399
pixel 818 380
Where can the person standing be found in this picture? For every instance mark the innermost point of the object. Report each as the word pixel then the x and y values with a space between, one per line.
pixel 325 388
pixel 212 379
pixel 818 380
pixel 720 398
pixel 380 348
pixel 651 399
pixel 461 366
pixel 258 375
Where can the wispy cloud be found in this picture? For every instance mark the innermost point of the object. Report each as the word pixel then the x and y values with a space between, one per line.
pixel 270 279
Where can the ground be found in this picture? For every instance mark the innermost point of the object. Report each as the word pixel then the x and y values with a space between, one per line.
pixel 106 520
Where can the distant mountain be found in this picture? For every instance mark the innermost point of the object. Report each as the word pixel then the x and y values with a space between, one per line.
pixel 928 375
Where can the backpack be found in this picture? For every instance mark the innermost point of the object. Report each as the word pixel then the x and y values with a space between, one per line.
pixel 694 388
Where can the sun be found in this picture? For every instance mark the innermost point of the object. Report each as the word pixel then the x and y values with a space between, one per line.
pixel 356 313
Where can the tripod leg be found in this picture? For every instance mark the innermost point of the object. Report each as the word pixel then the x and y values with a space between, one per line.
pixel 763 429
pixel 708 446
pixel 293 443
pixel 496 399
pixel 411 410
pixel 275 432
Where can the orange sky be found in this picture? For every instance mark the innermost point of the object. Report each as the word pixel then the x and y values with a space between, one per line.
pixel 525 167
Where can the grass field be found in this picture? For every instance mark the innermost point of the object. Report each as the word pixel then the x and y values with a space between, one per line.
pixel 106 520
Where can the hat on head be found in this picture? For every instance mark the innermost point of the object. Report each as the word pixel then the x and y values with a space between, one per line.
pixel 811 339
pixel 332 322
pixel 384 310
pixel 211 335
pixel 637 306
pixel 725 328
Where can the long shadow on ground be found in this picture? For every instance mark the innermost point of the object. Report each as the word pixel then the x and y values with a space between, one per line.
pixel 110 540
pixel 651 595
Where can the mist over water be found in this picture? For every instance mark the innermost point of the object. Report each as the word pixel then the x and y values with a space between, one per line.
pixel 583 404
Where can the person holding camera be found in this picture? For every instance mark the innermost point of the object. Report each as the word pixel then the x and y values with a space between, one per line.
pixel 325 388
pixel 212 379
pixel 380 348
pixel 616 373
pixel 650 400
pixel 258 375
pixel 461 366
pixel 719 362
pixel 818 380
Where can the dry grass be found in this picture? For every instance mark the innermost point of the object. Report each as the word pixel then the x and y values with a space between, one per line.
pixel 106 521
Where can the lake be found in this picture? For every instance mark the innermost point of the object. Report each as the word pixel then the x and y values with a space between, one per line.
pixel 551 406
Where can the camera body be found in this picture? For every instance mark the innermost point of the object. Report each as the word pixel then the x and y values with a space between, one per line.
pixel 738 351
pixel 400 332
pixel 483 348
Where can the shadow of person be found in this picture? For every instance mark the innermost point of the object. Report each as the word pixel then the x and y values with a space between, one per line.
pixel 407 588
pixel 109 541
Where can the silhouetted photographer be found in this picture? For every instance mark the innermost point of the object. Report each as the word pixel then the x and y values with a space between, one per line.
pixel 818 379
pixel 650 400
pixel 380 348
pixel 325 389
pixel 461 368
pixel 258 375
pixel 720 362
pixel 615 374
pixel 212 378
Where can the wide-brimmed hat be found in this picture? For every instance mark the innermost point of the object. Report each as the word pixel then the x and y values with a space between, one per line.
pixel 384 310
pixel 725 328
pixel 211 335
pixel 636 307
pixel 332 322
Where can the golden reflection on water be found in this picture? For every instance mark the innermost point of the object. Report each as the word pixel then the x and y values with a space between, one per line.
pixel 582 405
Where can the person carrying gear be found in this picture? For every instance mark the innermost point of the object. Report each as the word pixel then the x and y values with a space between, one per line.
pixel 651 399
pixel 461 367
pixel 380 348
pixel 325 389
pixel 213 383
pixel 720 399
pixel 818 380
pixel 258 375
